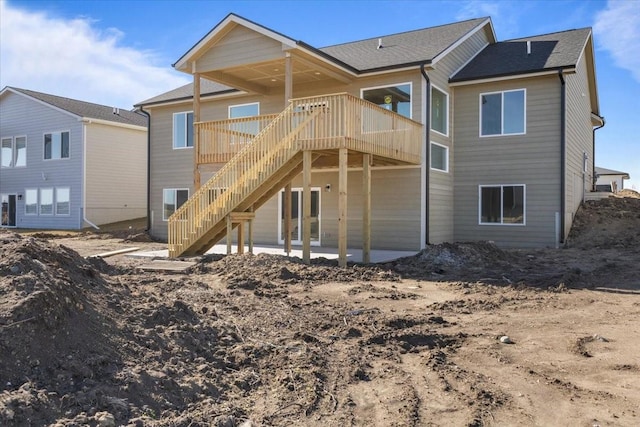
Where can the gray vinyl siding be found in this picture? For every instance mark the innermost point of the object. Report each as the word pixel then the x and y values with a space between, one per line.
pixel 579 141
pixel 117 173
pixel 21 116
pixel 240 46
pixel 532 159
pixel 441 201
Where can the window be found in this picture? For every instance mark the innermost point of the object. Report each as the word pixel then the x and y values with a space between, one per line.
pixel 46 201
pixel 439 157
pixel 62 201
pixel 31 201
pixel 502 113
pixel 250 127
pixel 14 152
pixel 182 130
pixel 393 98
pixel 172 200
pixel 56 145
pixel 502 204
pixel 6 155
pixel 439 111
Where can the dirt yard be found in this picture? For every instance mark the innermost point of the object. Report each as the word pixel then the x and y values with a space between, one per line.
pixel 458 335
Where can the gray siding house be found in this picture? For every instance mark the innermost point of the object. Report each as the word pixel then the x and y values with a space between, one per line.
pixel 68 164
pixel 395 142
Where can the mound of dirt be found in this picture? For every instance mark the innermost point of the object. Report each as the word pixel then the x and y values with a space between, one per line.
pixel 613 222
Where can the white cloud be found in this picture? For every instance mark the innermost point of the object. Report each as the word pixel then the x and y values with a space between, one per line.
pixel 71 58
pixel 617 29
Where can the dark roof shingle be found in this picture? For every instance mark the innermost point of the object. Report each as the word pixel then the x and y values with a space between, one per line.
pixel 207 87
pixel 401 49
pixel 548 52
pixel 87 109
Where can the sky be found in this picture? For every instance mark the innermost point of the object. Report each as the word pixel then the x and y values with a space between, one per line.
pixel 119 53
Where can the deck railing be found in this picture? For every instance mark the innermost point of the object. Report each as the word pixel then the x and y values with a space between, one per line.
pixel 317 123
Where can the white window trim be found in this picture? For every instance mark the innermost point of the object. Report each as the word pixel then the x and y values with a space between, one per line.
pixel 173 132
pixel 501 223
pixel 26 143
pixel 55 201
pixel 175 207
pixel 13 145
pixel 37 200
pixel 502 92
pixel 52 132
pixel 446 109
pixel 301 190
pixel 14 151
pixel 242 105
pixel 391 85
pixel 446 170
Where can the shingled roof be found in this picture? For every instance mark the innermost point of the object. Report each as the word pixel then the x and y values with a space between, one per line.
pixel 86 109
pixel 402 49
pixel 207 87
pixel 548 52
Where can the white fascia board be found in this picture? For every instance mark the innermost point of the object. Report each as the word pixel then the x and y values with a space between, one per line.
pixel 461 40
pixel 512 77
pixel 46 104
pixel 89 120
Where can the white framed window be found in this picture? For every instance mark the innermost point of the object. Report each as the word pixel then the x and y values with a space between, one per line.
pixel 439 157
pixel 172 199
pixel 502 204
pixel 439 111
pixel 13 152
pixel 396 98
pixel 63 201
pixel 244 110
pixel 503 113
pixel 31 201
pixel 183 130
pixel 56 145
pixel 46 201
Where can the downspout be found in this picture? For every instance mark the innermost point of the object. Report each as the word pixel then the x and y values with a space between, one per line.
pixel 148 168
pixel 563 154
pixel 594 178
pixel 428 149
pixel 84 177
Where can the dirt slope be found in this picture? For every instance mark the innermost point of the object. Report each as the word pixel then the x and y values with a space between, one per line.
pixel 266 340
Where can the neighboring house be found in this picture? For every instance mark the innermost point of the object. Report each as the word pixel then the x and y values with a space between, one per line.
pixel 508 163
pixel 610 180
pixel 68 164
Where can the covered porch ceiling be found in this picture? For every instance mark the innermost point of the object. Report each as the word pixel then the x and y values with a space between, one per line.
pixel 269 77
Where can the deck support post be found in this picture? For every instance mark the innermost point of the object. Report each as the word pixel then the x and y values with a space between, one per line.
pixel 196 119
pixel 229 231
pixel 288 94
pixel 306 206
pixel 241 237
pixel 342 207
pixel 366 208
pixel 251 232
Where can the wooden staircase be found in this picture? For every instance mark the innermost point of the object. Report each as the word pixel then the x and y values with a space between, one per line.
pixel 274 157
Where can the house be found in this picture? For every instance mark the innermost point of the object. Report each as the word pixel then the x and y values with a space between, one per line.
pixel 610 180
pixel 68 164
pixel 436 135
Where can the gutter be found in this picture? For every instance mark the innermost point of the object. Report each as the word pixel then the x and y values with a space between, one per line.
pixel 84 176
pixel 563 154
pixel 428 149
pixel 141 109
pixel 594 177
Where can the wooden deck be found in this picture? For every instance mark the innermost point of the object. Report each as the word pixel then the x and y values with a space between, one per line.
pixel 324 131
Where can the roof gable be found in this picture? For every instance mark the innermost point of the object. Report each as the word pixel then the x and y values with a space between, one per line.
pixel 82 109
pixel 408 48
pixel 547 52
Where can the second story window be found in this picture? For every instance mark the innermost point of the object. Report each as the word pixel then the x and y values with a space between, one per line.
pixel 56 145
pixel 503 113
pixel 14 152
pixel 393 98
pixel 183 130
pixel 439 111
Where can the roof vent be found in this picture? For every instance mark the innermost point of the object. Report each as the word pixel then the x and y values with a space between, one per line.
pixel 528 47
pixel 116 111
pixel 379 44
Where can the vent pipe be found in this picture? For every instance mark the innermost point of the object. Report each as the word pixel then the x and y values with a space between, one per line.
pixel 379 44
pixel 528 47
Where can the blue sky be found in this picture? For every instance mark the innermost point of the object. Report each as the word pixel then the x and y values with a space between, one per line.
pixel 120 52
